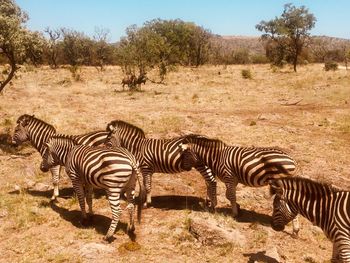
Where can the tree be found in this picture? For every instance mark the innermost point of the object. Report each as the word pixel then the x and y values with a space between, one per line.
pixel 12 36
pixel 52 47
pixel 290 32
pixel 34 44
pixel 163 44
pixel 77 48
pixel 102 51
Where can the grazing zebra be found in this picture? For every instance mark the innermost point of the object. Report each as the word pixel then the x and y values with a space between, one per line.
pixel 158 155
pixel 324 205
pixel 113 169
pixel 251 166
pixel 38 132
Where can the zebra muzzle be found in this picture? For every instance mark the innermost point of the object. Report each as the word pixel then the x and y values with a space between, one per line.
pixel 43 168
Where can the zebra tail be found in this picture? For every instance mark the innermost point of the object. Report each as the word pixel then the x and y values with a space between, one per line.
pixel 142 194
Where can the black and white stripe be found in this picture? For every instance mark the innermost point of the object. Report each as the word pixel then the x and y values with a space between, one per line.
pixel 158 155
pixel 251 166
pixel 114 170
pixel 38 132
pixel 324 205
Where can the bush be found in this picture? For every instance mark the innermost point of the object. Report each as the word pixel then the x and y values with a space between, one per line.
pixel 246 74
pixel 259 59
pixel 330 65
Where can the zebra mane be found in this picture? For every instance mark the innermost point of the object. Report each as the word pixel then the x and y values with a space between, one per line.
pixel 65 137
pixel 125 125
pixel 204 141
pixel 26 118
pixel 292 183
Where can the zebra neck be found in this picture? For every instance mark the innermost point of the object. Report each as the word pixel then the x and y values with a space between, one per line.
pixel 38 138
pixel 210 156
pixel 63 151
pixel 313 206
pixel 134 144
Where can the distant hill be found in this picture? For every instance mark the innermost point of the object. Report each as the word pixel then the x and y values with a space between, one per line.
pixel 255 45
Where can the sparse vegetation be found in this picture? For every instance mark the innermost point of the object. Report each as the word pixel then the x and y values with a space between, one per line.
pixel 29 223
pixel 330 65
pixel 246 74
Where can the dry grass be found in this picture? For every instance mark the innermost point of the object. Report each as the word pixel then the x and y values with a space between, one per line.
pixel 199 100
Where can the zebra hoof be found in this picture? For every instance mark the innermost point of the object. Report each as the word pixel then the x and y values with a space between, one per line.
pixel 295 235
pixel 147 205
pixel 131 229
pixel 54 199
pixel 108 239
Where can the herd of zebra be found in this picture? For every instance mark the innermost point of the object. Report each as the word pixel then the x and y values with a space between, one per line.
pixel 121 156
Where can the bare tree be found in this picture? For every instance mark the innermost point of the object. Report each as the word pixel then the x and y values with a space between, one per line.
pixel 52 47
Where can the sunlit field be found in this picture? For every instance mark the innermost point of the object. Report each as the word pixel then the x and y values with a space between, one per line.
pixel 307 113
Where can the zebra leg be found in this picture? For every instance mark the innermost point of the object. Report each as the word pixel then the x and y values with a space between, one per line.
pixel 210 182
pixel 342 249
pixel 335 253
pixel 79 190
pixel 88 194
pixel 231 196
pixel 147 177
pixel 55 172
pixel 113 198
pixel 211 196
pixel 130 195
pixel 296 227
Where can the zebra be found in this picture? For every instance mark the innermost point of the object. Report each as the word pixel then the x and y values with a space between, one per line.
pixel 158 155
pixel 113 169
pixel 38 132
pixel 322 204
pixel 251 166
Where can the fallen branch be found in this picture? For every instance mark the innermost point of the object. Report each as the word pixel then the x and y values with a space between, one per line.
pixel 291 103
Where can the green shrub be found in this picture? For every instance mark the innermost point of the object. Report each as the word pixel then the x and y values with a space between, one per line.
pixel 259 59
pixel 246 74
pixel 330 65
pixel 75 70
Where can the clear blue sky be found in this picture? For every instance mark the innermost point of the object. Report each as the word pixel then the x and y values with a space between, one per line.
pixel 223 17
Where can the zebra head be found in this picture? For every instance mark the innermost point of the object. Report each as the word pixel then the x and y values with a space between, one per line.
pixel 50 158
pixel 282 212
pixel 188 158
pixel 113 139
pixel 21 132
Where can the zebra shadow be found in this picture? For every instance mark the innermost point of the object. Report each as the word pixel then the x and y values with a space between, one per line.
pixel 178 202
pixel 260 257
pixel 247 216
pixel 100 223
pixel 65 193
pixel 194 203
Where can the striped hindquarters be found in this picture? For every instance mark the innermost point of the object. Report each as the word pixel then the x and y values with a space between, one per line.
pixel 256 166
pixel 102 168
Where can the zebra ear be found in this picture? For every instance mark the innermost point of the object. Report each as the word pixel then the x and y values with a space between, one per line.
pixel 26 120
pixel 183 146
pixel 111 128
pixel 47 145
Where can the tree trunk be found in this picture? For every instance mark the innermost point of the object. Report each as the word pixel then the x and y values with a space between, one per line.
pixel 13 66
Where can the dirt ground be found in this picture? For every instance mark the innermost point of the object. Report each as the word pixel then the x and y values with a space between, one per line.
pixel 307 112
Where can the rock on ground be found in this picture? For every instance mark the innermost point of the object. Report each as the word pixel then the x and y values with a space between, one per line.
pixel 209 232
